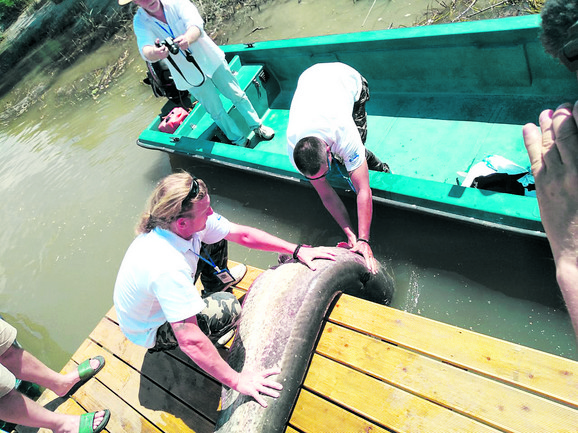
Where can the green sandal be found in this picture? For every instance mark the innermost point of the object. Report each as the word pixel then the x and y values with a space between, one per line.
pixel 86 372
pixel 87 420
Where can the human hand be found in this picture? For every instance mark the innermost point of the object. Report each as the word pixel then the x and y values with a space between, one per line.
pixel 553 152
pixel 307 254
pixel 182 42
pixel 364 249
pixel 256 383
pixel 160 51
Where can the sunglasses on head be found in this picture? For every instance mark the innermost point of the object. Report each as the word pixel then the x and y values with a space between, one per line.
pixel 193 192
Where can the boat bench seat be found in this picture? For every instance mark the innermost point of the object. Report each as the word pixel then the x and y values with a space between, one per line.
pixel 375 368
pixel 199 123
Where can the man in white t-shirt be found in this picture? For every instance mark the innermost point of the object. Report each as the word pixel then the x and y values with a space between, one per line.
pixel 157 303
pixel 199 66
pixel 327 120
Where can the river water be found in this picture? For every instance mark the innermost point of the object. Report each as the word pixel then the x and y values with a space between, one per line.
pixel 73 183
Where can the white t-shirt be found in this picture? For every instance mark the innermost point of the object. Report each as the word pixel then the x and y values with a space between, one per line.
pixel 180 15
pixel 155 283
pixel 322 107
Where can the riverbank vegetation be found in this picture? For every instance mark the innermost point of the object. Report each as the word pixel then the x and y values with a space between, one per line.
pixel 49 35
pixel 451 11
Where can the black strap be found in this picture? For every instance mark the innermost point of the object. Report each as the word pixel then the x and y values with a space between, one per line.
pixel 192 60
pixel 296 252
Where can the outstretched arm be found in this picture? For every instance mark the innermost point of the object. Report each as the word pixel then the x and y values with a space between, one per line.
pixel 336 208
pixel 197 346
pixel 154 53
pixel 553 151
pixel 251 237
pixel 360 180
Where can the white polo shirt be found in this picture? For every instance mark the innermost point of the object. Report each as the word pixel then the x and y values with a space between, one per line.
pixel 155 283
pixel 322 107
pixel 180 15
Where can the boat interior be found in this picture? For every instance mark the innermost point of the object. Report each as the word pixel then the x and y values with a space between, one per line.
pixel 443 98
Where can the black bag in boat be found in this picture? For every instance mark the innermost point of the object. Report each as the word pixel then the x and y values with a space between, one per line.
pixel 502 182
pixel 162 84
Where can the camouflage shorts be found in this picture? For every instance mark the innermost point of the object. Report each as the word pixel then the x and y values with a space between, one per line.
pixel 220 315
pixel 359 114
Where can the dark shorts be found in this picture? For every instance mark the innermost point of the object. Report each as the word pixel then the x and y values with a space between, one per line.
pixel 360 119
pixel 359 114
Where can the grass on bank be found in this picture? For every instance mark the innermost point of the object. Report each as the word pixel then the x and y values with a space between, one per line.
pixel 63 30
pixel 450 11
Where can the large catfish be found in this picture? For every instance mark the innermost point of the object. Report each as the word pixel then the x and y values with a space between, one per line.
pixel 280 324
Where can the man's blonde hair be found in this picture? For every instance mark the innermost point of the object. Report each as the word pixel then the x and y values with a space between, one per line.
pixel 165 204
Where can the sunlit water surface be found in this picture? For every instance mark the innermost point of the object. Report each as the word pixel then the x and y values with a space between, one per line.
pixel 73 183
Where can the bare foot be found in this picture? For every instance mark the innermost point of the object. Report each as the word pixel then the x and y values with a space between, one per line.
pixel 71 423
pixel 72 378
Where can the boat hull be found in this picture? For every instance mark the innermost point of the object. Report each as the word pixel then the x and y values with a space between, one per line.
pixel 443 98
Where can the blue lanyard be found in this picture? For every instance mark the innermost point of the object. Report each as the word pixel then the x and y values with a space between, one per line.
pixel 210 263
pixel 340 173
pixel 186 55
pixel 171 34
pixel 168 32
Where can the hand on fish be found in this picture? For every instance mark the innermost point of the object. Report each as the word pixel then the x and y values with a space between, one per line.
pixel 363 249
pixel 307 254
pixel 257 383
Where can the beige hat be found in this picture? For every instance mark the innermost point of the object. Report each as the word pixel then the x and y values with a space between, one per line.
pixel 124 2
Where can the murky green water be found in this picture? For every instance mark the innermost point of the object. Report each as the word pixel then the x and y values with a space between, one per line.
pixel 73 182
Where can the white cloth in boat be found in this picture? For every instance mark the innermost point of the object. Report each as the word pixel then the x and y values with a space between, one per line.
pixel 155 283
pixel 322 107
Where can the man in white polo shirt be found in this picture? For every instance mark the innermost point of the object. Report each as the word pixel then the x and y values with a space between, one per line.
pixel 198 65
pixel 327 120
pixel 157 303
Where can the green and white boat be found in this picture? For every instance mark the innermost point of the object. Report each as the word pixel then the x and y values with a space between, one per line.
pixel 443 98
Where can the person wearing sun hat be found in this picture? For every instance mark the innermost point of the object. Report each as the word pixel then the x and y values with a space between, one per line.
pixel 196 63
pixel 19 409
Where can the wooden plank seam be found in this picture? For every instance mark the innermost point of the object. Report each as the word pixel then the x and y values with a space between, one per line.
pixel 424 394
pixel 78 401
pixel 163 387
pixel 550 394
pixel 326 320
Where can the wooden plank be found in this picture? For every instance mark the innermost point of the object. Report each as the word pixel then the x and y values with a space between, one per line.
pixel 94 396
pixel 59 405
pixel 111 337
pixel 491 402
pixel 382 403
pixel 149 400
pixel 196 389
pixel 313 414
pixel 540 372
pixel 252 274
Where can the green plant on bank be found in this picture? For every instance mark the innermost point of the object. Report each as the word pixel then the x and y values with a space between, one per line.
pixel 535 6
pixel 449 11
pixel 10 9
pixel 215 12
pixel 52 41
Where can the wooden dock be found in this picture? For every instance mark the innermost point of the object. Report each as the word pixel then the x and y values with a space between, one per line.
pixel 375 369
